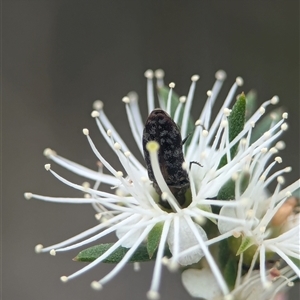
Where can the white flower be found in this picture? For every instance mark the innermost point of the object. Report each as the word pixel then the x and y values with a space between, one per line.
pixel 271 227
pixel 201 283
pixel 259 209
pixel 251 288
pixel 132 209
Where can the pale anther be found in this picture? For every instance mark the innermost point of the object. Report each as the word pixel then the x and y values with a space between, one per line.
pixel 285 115
pixel 284 126
pixel 98 216
pixel 278 159
pixel 239 81
pixel 126 100
pixel 280 179
pixel 262 178
pixel 159 73
pixel 220 75
pixel 182 99
pixel 171 85
pixel 234 176
pixel 209 93
pixel 274 100
pixel 86 185
pixel 262 110
pixel 204 133
pixel 119 174
pixel 28 195
pixel 198 122
pixel 280 145
pixel 136 266
pixel 98 105
pixel 165 261
pixel 104 220
pixel 52 252
pixel 127 153
pixel 268 284
pixel 288 194
pixel 200 220
pixel 262 229
pixel 224 123
pixel 243 141
pixel 227 112
pixel 149 74
pixel 117 146
pixel 195 78
pixel 173 266
pixel 49 152
pixel 264 150
pixel 250 213
pixel 144 179
pixel 273 150
pixel 274 116
pixel 85 131
pixel 153 295
pixel 133 96
pixel 152 146
pixel 236 234
pixel 244 201
pixel 288 169
pixel 95 114
pixel 96 285
pixel 109 132
pixel 47 167
pixel 64 278
pixel 164 196
pixel 38 248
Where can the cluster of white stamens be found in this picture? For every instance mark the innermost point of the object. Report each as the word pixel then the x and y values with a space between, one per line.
pixel 139 211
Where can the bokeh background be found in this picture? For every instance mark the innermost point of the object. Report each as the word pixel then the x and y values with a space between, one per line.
pixel 60 56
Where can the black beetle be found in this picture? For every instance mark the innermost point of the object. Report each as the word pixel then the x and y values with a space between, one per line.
pixel 161 128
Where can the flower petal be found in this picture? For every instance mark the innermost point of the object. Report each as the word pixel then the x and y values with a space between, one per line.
pixel 130 241
pixel 200 283
pixel 224 225
pixel 186 240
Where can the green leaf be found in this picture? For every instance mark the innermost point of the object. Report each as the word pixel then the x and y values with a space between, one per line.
pixel 246 243
pixel 227 191
pixel 224 253
pixel 163 93
pixel 154 239
pixel 228 263
pixel 244 181
pixel 296 261
pixel 246 246
pixel 251 103
pixel 296 193
pixel 265 123
pixel 92 253
pixel 236 122
pixel 230 271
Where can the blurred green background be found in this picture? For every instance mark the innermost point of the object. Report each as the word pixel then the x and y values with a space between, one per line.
pixel 60 56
